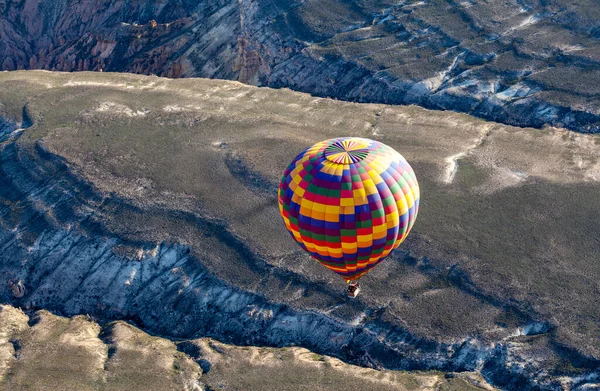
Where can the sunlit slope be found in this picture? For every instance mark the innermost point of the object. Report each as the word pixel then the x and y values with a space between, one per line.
pixel 45 351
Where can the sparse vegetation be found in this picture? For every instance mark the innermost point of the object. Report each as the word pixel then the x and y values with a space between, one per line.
pixel 67 354
pixel 500 238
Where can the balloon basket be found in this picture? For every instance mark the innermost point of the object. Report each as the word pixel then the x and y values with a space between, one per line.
pixel 353 289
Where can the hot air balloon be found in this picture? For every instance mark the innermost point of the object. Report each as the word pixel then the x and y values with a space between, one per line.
pixel 349 202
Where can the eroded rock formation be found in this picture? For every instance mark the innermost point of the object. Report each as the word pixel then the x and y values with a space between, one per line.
pixel 521 62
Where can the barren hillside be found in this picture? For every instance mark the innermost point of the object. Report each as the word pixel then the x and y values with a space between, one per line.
pixel 153 200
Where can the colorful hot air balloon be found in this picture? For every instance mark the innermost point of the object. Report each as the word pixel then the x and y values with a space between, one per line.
pixel 349 202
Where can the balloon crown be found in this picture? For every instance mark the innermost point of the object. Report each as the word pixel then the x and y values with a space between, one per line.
pixel 347 151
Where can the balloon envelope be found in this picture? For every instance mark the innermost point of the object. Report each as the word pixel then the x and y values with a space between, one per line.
pixel 349 202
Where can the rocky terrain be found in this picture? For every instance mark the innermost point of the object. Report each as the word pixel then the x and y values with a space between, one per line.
pixel 153 201
pixel 520 62
pixel 45 351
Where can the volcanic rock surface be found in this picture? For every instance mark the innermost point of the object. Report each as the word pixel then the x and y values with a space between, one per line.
pixel 521 62
pixel 153 200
